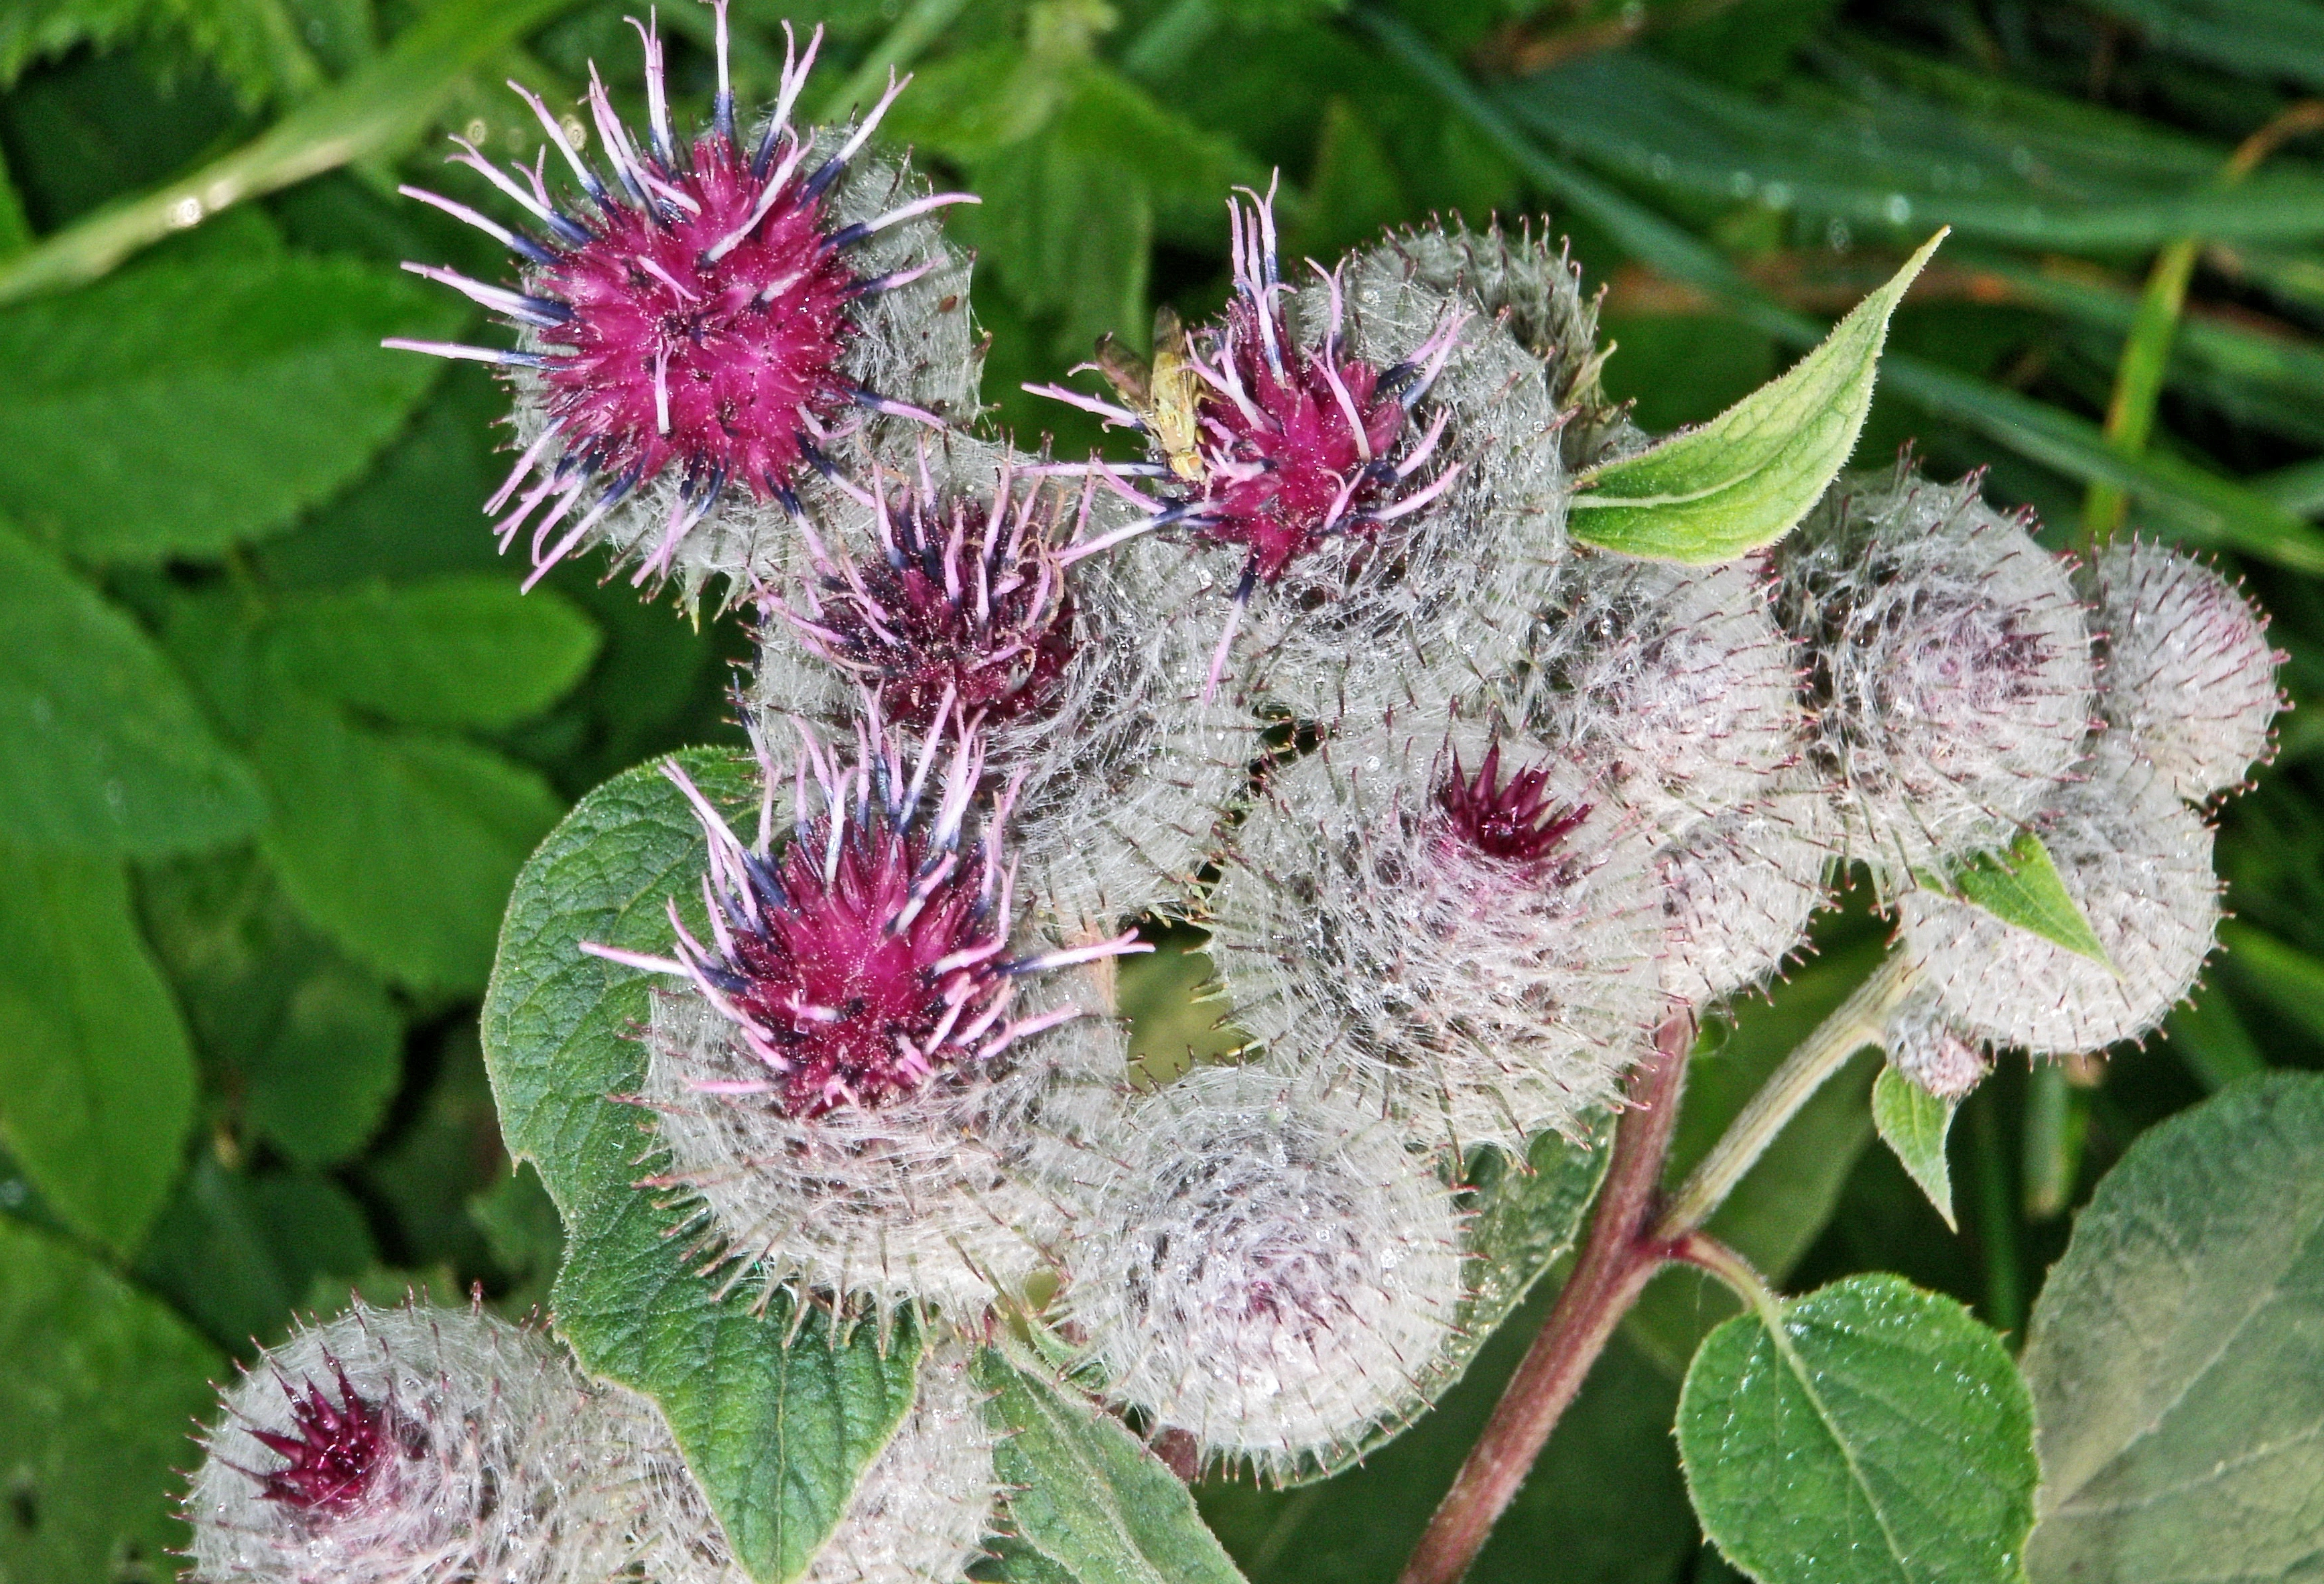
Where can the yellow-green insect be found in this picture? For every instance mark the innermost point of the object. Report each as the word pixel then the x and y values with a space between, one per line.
pixel 1163 393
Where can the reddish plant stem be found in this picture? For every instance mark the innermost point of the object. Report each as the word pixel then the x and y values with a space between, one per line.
pixel 1618 1256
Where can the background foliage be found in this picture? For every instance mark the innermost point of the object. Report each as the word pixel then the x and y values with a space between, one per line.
pixel 276 730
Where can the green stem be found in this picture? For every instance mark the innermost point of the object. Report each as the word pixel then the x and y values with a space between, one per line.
pixel 376 110
pixel 2056 1116
pixel 1704 1252
pixel 1856 1023
pixel 1996 1220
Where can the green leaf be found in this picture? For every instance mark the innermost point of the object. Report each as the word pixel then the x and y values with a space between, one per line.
pixel 1914 1123
pixel 452 651
pixel 376 110
pixel 401 845
pixel 1084 1492
pixel 180 409
pixel 1876 1432
pixel 2289 980
pixel 253 44
pixel 101 748
pixel 2021 886
pixel 2177 1353
pixel 238 1253
pixel 1745 478
pixel 97 1077
pixel 100 1383
pixel 776 1435
pixel 2254 38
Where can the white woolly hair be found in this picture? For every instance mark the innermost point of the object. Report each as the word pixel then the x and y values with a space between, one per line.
pixel 919 1514
pixel 2138 863
pixel 1444 593
pixel 1360 942
pixel 1738 890
pixel 503 1462
pixel 2188 671
pixel 1126 779
pixel 1676 678
pixel 1535 293
pixel 1949 667
pixel 1924 1046
pixel 943 1196
pixel 915 344
pixel 1266 1266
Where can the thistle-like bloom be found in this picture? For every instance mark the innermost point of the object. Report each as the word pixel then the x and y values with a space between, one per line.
pixel 1267 1267
pixel 852 1081
pixel 1924 1046
pixel 1460 930
pixel 2188 673
pixel 1677 679
pixel 1368 451
pixel 422 1446
pixel 1738 890
pixel 697 322
pixel 1058 626
pixel 1950 670
pixel 2138 862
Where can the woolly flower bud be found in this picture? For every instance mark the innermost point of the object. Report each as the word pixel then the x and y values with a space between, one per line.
pixel 1925 1047
pixel 692 336
pixel 2188 673
pixel 1676 678
pixel 1951 670
pixel 919 1514
pixel 1738 890
pixel 1381 463
pixel 1263 1265
pixel 422 1446
pixel 2138 863
pixel 1462 930
pixel 859 1076
pixel 1535 294
pixel 976 572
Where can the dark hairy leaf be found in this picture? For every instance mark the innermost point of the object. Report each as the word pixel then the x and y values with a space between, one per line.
pixel 2176 1355
pixel 777 1434
pixel 1086 1493
pixel 102 749
pixel 1866 1431
pixel 179 409
pixel 96 1076
pixel 94 1404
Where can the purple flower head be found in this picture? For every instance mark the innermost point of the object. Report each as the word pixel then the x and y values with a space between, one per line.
pixel 871 951
pixel 1290 445
pixel 1518 820
pixel 333 1452
pixel 689 314
pixel 968 598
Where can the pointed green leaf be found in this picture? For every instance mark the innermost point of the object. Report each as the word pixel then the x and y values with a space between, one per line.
pixel 1914 1123
pixel 778 1435
pixel 1876 1436
pixel 2022 886
pixel 97 1075
pixel 2177 1353
pixel 1085 1493
pixel 1745 478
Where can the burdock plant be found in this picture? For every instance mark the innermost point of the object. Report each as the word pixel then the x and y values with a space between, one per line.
pixel 1499 746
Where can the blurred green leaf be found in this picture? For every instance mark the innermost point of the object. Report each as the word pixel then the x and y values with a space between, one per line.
pixel 94 1404
pixel 452 651
pixel 377 110
pixel 401 845
pixel 520 1227
pixel 238 1252
pixel 1085 1493
pixel 97 1079
pixel 778 1435
pixel 2177 1353
pixel 2265 39
pixel 1354 191
pixel 1913 1122
pixel 101 748
pixel 2286 978
pixel 253 44
pixel 1745 478
pixel 2022 887
pixel 1868 1432
pixel 314 1044
pixel 178 410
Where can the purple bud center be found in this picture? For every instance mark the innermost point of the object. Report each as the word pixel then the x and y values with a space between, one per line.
pixel 1515 820
pixel 333 1452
